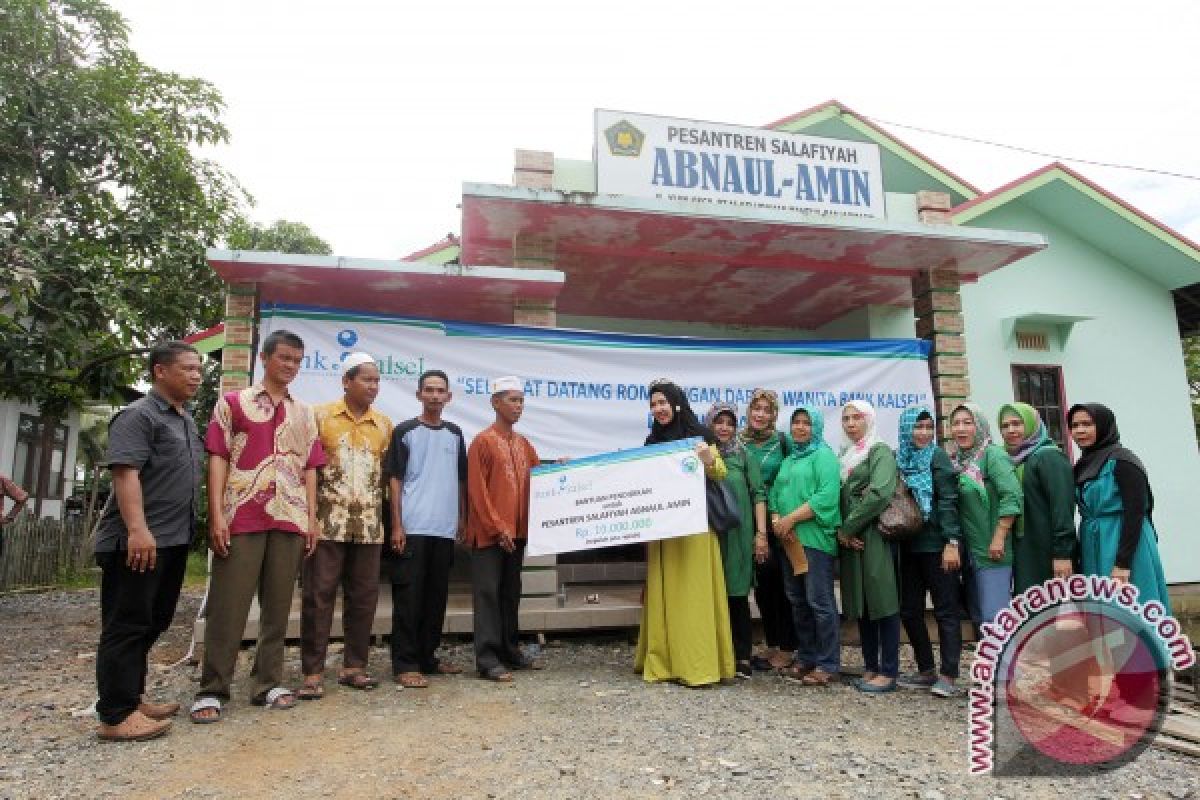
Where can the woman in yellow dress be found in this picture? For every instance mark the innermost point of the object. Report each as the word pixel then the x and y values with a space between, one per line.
pixel 685 634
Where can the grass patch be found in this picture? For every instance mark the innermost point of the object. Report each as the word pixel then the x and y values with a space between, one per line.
pixel 196 573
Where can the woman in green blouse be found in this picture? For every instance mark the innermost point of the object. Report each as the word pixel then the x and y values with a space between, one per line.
pixel 989 501
pixel 805 504
pixel 869 590
pixel 746 544
pixel 1045 533
pixel 768 447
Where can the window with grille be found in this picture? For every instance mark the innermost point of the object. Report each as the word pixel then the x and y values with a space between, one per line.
pixel 1041 387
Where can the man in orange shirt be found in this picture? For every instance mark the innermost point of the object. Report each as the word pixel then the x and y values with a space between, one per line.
pixel 498 465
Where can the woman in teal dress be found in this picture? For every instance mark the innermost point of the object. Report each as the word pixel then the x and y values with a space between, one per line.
pixel 1116 534
pixel 684 635
pixel 1044 543
pixel 742 546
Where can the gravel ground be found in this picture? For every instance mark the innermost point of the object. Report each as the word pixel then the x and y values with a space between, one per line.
pixel 586 727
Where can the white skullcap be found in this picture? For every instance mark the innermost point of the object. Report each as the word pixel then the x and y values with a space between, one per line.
pixel 509 383
pixel 356 360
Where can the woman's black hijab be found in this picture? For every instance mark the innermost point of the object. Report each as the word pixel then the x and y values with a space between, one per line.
pixel 683 424
pixel 1107 445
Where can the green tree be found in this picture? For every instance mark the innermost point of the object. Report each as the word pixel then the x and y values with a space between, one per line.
pixel 105 206
pixel 281 236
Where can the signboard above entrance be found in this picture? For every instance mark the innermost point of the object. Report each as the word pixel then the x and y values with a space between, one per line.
pixel 729 166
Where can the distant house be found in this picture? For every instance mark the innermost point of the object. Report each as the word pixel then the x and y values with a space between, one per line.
pixel 21 451
pixel 21 439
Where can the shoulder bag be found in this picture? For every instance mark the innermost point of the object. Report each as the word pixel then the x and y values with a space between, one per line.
pixel 902 519
pixel 723 512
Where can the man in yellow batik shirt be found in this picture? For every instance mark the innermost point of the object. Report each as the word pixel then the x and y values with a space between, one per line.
pixel 354 436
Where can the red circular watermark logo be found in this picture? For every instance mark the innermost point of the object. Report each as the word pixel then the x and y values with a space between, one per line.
pixel 1072 678
pixel 1085 686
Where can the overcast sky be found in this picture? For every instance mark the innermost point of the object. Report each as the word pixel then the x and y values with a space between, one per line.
pixel 362 119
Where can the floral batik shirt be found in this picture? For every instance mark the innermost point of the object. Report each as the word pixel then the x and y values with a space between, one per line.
pixel 350 486
pixel 269 447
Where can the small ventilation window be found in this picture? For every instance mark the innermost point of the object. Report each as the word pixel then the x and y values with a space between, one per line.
pixel 1029 340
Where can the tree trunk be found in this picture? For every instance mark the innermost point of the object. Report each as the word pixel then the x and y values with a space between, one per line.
pixel 45 459
pixel 91 504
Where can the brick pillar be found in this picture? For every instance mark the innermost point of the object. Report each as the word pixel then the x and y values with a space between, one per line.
pixel 533 169
pixel 533 250
pixel 539 576
pixel 535 313
pixel 937 305
pixel 241 316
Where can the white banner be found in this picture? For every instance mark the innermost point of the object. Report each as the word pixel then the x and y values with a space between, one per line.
pixel 730 166
pixel 630 496
pixel 586 393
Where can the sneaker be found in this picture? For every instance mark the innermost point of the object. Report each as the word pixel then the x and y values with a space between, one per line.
pixel 944 687
pixel 917 680
pixel 744 670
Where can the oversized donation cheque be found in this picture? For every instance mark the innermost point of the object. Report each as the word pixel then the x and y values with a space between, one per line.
pixel 626 497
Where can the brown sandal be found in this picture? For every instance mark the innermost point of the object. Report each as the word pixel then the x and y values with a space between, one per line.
pixel 412 680
pixel 818 677
pixel 796 673
pixel 311 690
pixel 357 680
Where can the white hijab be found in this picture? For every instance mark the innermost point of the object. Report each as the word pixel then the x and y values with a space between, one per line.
pixel 854 453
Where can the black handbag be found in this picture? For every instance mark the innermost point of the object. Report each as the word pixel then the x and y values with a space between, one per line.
pixel 723 512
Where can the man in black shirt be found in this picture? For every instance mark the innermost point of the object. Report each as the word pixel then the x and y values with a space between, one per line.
pixel 155 455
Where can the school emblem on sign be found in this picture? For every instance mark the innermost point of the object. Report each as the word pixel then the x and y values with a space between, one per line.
pixel 624 139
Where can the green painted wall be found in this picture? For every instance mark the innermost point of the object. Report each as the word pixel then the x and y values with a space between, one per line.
pixel 1128 356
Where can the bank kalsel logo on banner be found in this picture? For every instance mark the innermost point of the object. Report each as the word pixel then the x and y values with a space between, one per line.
pixel 1072 678
pixel 347 337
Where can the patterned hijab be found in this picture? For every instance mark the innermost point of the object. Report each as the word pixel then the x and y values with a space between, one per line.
pixel 817 441
pixel 748 434
pixel 733 445
pixel 916 463
pixel 1036 435
pixel 854 453
pixel 683 422
pixel 969 461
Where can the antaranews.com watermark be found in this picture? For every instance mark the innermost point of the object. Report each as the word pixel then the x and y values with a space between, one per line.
pixel 1073 677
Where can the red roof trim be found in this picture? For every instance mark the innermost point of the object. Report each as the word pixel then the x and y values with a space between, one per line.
pixel 449 240
pixel 1061 167
pixel 208 333
pixel 846 110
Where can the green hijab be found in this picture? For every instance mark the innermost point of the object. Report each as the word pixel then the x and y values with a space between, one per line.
pixel 1036 435
pixel 817 419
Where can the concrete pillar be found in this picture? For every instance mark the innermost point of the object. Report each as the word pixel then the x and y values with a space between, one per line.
pixel 241 318
pixel 937 305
